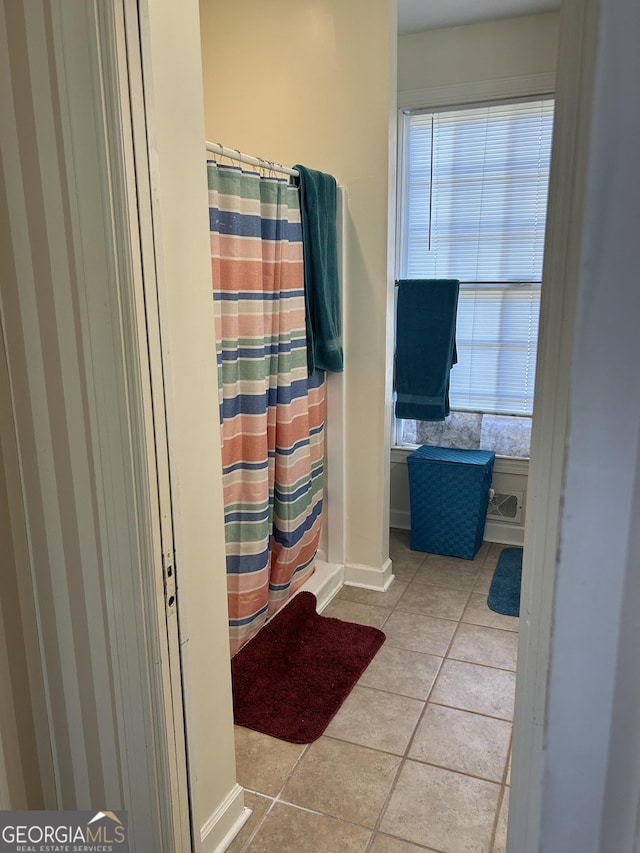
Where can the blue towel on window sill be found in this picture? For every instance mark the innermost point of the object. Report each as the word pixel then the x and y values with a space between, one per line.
pixel 425 347
pixel 321 285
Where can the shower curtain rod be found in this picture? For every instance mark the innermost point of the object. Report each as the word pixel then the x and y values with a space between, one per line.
pixel 234 154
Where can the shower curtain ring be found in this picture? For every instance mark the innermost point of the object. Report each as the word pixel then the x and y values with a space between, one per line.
pixel 217 154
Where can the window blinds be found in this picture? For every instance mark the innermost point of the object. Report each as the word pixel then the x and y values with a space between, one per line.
pixel 475 209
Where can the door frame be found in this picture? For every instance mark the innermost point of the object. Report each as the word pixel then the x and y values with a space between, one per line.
pixel 120 27
pixel 561 276
pixel 168 106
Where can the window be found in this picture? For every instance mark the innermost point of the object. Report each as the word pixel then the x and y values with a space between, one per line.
pixel 473 207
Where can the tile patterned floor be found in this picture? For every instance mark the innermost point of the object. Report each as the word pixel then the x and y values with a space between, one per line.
pixel 418 756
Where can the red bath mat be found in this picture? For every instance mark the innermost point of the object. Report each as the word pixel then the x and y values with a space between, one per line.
pixel 290 680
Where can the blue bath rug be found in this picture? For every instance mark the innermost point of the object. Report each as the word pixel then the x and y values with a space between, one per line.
pixel 504 593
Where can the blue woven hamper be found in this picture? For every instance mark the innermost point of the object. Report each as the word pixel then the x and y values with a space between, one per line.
pixel 449 497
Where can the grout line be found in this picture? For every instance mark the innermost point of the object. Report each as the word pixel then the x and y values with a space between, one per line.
pixel 415 844
pixel 275 799
pixel 387 799
pixel 508 761
pixel 294 767
pixel 257 793
pixel 487 665
pixel 467 711
pixel 480 625
pixel 489 627
pixel 483 665
pixel 428 697
pixel 258 826
pixel 307 809
pixel 383 810
pixel 300 808
pixel 430 581
pixel 387 617
pixel 497 782
pixel 395 693
pixel 497 818
pixel 362 603
pixel 363 745
pixel 366 746
pixel 468 621
pixel 428 701
pixel 427 578
pixel 396 608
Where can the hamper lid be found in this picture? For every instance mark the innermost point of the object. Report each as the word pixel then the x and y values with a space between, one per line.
pixel 450 454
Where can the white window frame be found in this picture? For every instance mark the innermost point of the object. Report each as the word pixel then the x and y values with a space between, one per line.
pixel 534 87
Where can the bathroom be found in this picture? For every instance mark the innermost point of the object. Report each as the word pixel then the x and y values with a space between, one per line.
pixel 343 102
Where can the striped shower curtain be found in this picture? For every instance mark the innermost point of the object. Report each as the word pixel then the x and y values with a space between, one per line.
pixel 271 411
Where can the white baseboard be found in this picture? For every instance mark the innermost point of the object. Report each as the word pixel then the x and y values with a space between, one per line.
pixel 324 583
pixel 400 518
pixel 504 533
pixel 328 579
pixel 225 823
pixel 501 532
pixel 369 577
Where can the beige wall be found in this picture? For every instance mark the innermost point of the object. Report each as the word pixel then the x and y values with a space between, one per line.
pixel 494 50
pixel 464 63
pixel 313 82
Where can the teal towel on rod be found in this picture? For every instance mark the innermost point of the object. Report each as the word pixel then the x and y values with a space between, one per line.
pixel 321 285
pixel 425 347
